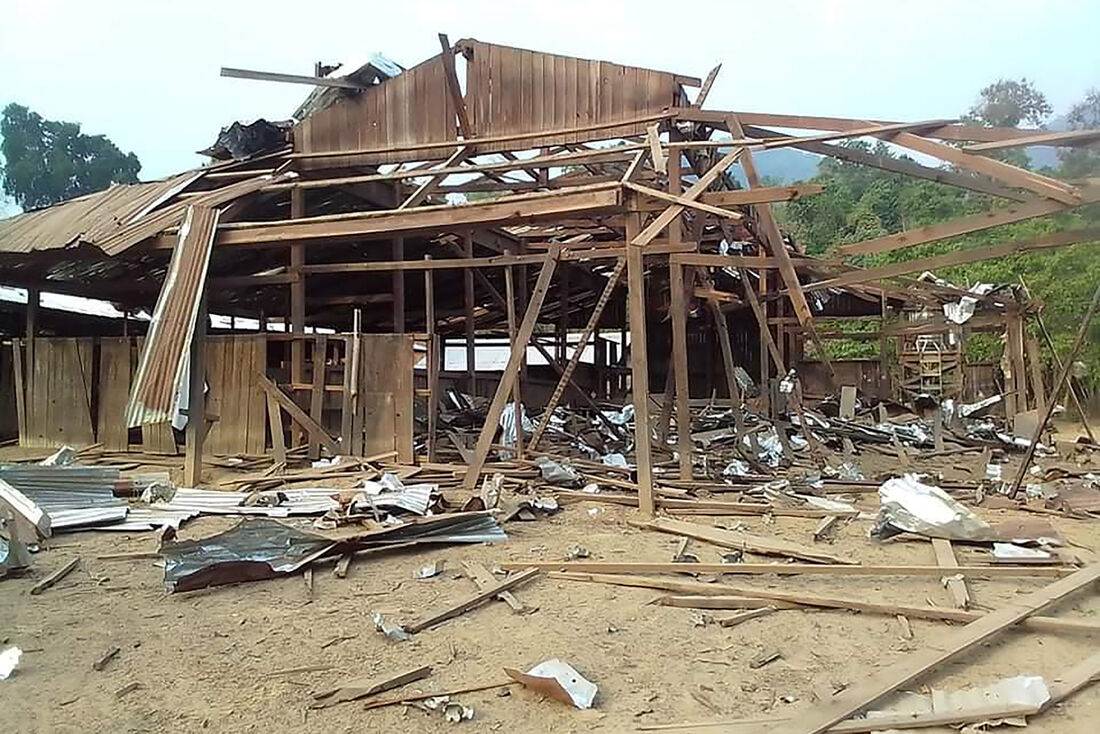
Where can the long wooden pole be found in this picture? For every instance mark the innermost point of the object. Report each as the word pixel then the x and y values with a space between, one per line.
pixel 1055 392
pixel 517 396
pixel 639 363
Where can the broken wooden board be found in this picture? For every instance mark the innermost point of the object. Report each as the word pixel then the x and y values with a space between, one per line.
pixel 816 569
pixel 742 541
pixel 484 579
pixel 948 647
pixel 54 577
pixel 356 688
pixel 472 603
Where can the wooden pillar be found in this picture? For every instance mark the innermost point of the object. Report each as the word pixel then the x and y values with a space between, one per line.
pixel 196 399
pixel 517 398
pixel 678 309
pixel 675 186
pixel 434 358
pixel 317 395
pixel 297 307
pixel 765 363
pixel 599 345
pixel 30 331
pixel 1016 353
pixel 399 287
pixel 639 364
pixel 471 335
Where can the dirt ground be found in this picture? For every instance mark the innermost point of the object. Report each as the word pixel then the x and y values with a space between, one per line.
pixel 210 661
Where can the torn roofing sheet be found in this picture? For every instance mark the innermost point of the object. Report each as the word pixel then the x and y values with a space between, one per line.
pixel 153 397
pixel 72 496
pixel 274 503
pixel 257 548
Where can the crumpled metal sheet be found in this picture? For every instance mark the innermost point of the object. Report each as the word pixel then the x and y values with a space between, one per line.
pixel 257 548
pixel 910 506
pixel 1025 690
pixel 560 473
pixel 558 680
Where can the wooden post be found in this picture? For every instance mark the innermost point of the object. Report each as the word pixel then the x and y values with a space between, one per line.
pixel 471 336
pixel 30 331
pixel 317 396
pixel 675 185
pixel 434 358
pixel 196 399
pixel 517 398
pixel 1035 363
pixel 1016 352
pixel 275 424
pixel 297 305
pixel 508 377
pixel 639 363
pixel 398 287
pixel 678 308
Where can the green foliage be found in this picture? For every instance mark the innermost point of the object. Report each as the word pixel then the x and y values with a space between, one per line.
pixel 49 161
pixel 860 202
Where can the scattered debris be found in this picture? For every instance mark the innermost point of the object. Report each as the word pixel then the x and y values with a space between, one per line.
pixel 9 660
pixel 357 688
pixel 101 662
pixel 54 577
pixel 764 658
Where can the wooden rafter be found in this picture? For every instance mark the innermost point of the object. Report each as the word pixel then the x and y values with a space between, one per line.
pixel 425 189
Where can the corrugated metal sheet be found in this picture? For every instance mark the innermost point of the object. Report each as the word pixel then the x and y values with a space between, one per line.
pixel 73 496
pixel 313 501
pixel 87 219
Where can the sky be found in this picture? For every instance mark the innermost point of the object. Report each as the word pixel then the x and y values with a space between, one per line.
pixel 145 73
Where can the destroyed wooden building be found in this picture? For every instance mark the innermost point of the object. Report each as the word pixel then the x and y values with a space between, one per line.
pixel 433 228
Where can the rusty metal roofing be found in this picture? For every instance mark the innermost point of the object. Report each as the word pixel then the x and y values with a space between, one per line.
pixel 88 219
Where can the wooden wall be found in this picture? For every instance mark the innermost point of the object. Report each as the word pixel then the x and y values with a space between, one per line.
pixel 58 389
pixel 511 90
pixel 234 394
pixel 413 107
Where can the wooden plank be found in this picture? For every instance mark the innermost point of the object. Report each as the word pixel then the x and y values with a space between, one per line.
pixel 403 391
pixel 517 396
pixel 20 391
pixel 270 76
pixel 256 426
pixel 275 423
pixel 704 91
pixel 473 602
pixel 948 647
pixel 741 541
pixel 114 391
pixel 1065 137
pixel 317 395
pixel 298 414
pixel 762 195
pixel 434 359
pixel 965 225
pixel 54 577
pixel 700 595
pixel 427 187
pixel 682 201
pixel 762 322
pixel 484 579
pixel 945 558
pixel 639 362
pixel 195 431
pixel 959 257
pixel 508 377
pixel 1003 172
pixel 793 569
pixel 1035 366
pixel 678 315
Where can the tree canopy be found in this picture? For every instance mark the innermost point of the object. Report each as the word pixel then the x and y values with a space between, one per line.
pixel 862 203
pixel 47 161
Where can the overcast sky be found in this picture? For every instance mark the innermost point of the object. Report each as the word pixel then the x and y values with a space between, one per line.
pixel 145 73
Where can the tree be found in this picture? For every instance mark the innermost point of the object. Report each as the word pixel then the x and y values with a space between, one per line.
pixel 1085 115
pixel 1007 103
pixel 49 161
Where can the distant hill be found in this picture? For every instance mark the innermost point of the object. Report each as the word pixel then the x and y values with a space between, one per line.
pixel 783 166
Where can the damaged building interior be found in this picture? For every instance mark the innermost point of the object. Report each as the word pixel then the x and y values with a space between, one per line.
pixel 513 348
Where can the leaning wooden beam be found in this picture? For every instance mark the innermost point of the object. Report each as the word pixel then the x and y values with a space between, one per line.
pixel 580 392
pixel 517 390
pixel 963 180
pixel 965 225
pixel 762 195
pixel 704 91
pixel 386 224
pixel 453 88
pixel 778 248
pixel 783 569
pixel 947 647
pixel 678 314
pixel 270 76
pixel 762 322
pixel 805 122
pixel 508 376
pixel 959 257
pixel 666 217
pixel 575 358
pixel 311 426
pixel 1055 394
pixel 425 189
pixel 639 360
pixel 1011 175
pixel 155 389
pixel 683 201
pixel 1066 137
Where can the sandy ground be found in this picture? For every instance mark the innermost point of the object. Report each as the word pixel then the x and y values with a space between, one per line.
pixel 208 660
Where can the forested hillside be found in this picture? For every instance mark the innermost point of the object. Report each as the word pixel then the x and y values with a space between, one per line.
pixel 861 203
